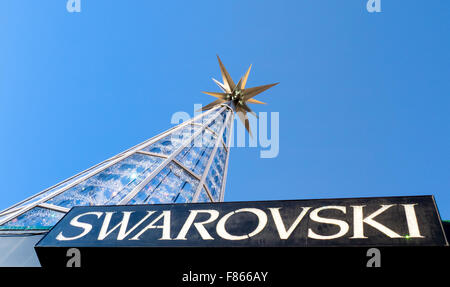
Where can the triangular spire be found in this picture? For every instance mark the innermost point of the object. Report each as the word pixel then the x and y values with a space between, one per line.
pixel 184 164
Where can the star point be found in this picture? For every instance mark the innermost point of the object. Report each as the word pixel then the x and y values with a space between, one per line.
pixel 237 94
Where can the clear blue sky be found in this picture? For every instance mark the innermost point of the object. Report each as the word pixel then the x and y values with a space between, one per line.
pixel 364 98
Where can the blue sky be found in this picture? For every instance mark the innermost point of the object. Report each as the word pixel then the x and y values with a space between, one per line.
pixel 363 97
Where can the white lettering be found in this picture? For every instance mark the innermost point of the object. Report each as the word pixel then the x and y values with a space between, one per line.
pixel 123 225
pixel 358 222
pixel 343 226
pixel 411 219
pixel 282 232
pixel 262 221
pixel 214 214
pixel 74 222
pixel 165 215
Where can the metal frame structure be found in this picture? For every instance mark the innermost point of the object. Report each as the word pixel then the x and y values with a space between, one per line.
pixel 165 173
pixel 224 110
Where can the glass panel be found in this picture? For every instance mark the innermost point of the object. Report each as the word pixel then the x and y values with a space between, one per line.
pixel 62 185
pixel 227 130
pixel 203 196
pixel 111 185
pixel 173 184
pixel 203 120
pixel 36 218
pixel 170 143
pixel 142 196
pixel 186 193
pixel 195 156
pixel 217 123
pixel 215 173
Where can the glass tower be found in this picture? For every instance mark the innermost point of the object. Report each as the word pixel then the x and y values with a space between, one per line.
pixel 187 163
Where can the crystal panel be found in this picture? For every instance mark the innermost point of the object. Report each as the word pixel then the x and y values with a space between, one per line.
pixel 172 184
pixel 226 132
pixel 170 143
pixel 111 185
pixel 215 173
pixel 36 218
pixel 62 185
pixel 203 196
pixel 142 196
pixel 196 155
pixel 217 123
pixel 204 119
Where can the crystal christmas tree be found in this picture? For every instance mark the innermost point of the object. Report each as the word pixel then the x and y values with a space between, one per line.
pixel 187 163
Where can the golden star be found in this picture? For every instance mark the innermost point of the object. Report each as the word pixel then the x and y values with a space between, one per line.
pixel 237 95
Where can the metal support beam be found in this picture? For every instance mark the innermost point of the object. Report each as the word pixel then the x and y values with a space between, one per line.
pixel 54 207
pixel 151 153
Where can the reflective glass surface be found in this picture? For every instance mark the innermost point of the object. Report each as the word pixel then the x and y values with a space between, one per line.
pixel 203 196
pixel 204 119
pixel 227 130
pixel 196 155
pixel 173 184
pixel 62 185
pixel 36 218
pixel 111 185
pixel 216 172
pixel 218 122
pixel 171 142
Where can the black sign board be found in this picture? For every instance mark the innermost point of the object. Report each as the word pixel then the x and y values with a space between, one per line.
pixel 387 221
